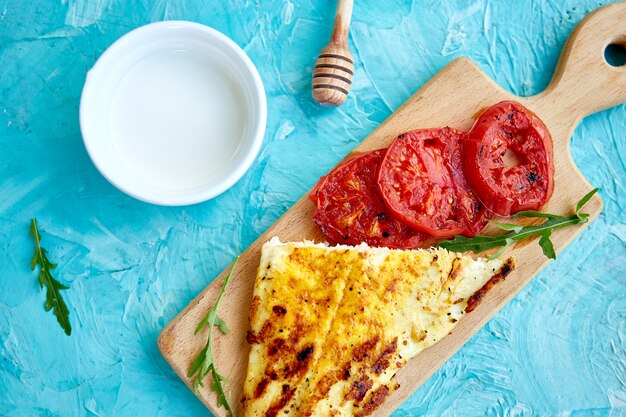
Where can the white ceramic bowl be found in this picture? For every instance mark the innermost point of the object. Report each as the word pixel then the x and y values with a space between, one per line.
pixel 173 113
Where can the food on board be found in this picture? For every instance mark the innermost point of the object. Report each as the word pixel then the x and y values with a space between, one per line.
pixel 504 131
pixel 331 326
pixel 349 208
pixel 439 182
pixel 422 183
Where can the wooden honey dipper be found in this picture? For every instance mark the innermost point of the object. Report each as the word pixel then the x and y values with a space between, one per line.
pixel 334 68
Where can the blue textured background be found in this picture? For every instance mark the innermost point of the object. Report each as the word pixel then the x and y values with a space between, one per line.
pixel 557 349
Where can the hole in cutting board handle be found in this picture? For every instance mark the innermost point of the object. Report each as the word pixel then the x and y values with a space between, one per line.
pixel 615 54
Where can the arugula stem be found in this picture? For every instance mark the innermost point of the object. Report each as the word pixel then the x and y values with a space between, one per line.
pixel 204 361
pixel 53 287
pixel 516 233
pixel 537 230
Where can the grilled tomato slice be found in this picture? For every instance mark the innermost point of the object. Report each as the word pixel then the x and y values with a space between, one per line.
pixel 421 181
pixel 349 209
pixel 508 159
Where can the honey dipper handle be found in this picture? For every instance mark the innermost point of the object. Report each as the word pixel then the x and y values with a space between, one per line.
pixel 584 82
pixel 334 68
pixel 342 22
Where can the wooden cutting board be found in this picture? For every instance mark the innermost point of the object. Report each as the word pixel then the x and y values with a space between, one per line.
pixel 583 83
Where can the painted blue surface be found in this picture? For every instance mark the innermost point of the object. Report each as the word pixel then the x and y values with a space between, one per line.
pixel 558 349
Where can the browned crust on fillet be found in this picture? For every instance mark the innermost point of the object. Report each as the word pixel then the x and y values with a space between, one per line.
pixel 323 386
pixel 258 338
pixel 454 271
pixel 382 362
pixel 254 306
pixel 326 382
pixel 270 375
pixel 376 399
pixel 279 310
pixel 275 346
pixel 499 276
pixel 359 389
pixel 260 388
pixel 285 396
pixel 359 353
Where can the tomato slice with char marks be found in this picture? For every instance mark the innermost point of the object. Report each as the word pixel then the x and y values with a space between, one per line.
pixel 313 193
pixel 421 181
pixel 508 159
pixel 349 209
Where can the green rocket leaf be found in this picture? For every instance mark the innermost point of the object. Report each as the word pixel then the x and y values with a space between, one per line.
pixel 54 301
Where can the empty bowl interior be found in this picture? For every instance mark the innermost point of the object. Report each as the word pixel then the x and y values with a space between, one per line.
pixel 173 113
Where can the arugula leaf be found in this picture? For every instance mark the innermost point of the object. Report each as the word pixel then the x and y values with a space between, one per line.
pixel 53 296
pixel 508 226
pixel 583 201
pixel 212 315
pixel 533 213
pixel 204 363
pixel 546 245
pixel 508 242
pixel 517 232
pixel 221 324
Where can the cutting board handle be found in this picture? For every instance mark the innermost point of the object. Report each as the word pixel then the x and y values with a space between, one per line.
pixel 584 82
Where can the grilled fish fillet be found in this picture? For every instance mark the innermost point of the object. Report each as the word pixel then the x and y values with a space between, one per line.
pixel 331 326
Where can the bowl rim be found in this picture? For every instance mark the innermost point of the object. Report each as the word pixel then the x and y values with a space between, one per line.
pixel 235 171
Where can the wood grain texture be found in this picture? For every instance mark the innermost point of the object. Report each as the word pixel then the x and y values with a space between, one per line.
pixel 334 68
pixel 332 75
pixel 583 83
